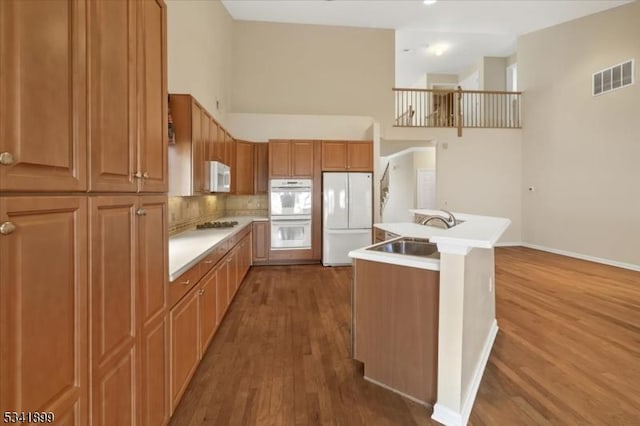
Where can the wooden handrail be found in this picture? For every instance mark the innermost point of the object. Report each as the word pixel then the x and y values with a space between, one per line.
pixel 457 108
pixel 454 90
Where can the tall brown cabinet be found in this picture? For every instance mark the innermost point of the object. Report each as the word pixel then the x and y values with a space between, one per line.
pixel 83 210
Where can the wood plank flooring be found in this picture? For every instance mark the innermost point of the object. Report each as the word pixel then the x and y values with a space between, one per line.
pixel 568 351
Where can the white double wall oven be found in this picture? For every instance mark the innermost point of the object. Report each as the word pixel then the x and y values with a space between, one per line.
pixel 290 206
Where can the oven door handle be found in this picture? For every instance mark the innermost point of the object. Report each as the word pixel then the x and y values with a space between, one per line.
pixel 281 221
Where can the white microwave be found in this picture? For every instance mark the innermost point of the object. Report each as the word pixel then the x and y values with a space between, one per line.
pixel 219 177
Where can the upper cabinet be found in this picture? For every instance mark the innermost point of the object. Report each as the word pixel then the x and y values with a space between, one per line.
pixel 347 156
pixel 43 97
pixel 261 168
pixel 242 169
pixel 84 95
pixel 291 159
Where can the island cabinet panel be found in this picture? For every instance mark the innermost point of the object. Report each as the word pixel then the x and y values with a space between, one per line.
pixel 43 301
pixel 260 237
pixel 43 96
pixel 396 326
pixel 113 309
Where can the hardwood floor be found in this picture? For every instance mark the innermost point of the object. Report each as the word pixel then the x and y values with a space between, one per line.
pixel 568 351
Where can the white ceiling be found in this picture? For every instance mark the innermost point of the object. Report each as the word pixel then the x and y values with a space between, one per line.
pixel 471 28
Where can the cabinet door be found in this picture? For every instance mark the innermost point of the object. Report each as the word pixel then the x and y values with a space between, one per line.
pixel 197 149
pixel 43 301
pixel 260 241
pixel 204 122
pixel 334 156
pixel 360 156
pixel 152 63
pixel 302 159
pixel 215 142
pixel 185 345
pixel 228 148
pixel 112 96
pixel 279 159
pixel 243 167
pixel 234 272
pixel 112 295
pixel 222 285
pixel 152 307
pixel 261 168
pixel 207 300
pixel 43 99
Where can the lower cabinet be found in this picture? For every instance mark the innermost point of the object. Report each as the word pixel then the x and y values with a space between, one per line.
pixel 43 303
pixel 260 236
pixel 222 284
pixel 207 306
pixel 185 344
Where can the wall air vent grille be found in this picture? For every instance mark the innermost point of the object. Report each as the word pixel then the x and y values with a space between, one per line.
pixel 613 78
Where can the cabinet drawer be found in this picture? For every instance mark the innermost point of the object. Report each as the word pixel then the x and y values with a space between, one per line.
pixel 185 282
pixel 213 257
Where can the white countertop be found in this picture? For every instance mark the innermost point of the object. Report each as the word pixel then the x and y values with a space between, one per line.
pixel 188 248
pixel 476 231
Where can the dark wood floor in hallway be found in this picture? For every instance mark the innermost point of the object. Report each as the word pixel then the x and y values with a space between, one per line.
pixel 568 351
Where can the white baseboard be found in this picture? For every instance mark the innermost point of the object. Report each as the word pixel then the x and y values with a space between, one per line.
pixel 609 262
pixel 509 244
pixel 450 417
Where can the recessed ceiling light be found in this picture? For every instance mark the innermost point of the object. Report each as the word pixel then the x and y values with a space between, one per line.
pixel 407 50
pixel 438 49
pixel 429 2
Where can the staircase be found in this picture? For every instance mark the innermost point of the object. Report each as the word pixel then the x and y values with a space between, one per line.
pixel 384 188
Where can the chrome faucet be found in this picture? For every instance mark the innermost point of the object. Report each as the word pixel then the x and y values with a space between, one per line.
pixel 451 219
pixel 428 219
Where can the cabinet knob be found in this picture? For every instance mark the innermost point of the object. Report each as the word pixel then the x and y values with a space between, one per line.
pixel 137 175
pixel 6 158
pixel 202 291
pixel 7 228
pixel 145 175
pixel 141 212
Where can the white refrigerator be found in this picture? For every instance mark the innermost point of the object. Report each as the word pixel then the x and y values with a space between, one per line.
pixel 346 215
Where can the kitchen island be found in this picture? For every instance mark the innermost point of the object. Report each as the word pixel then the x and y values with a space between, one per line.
pixel 456 303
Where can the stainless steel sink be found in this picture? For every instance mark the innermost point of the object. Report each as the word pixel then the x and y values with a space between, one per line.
pixel 408 246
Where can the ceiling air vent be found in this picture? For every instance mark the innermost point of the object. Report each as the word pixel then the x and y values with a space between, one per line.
pixel 613 78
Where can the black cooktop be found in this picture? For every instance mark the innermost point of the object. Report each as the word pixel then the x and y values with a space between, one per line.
pixel 217 224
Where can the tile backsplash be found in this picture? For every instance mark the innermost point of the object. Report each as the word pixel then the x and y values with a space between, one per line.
pixel 247 205
pixel 186 212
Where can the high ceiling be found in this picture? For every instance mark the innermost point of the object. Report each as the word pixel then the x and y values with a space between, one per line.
pixel 469 29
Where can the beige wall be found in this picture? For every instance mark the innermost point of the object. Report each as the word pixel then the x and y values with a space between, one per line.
pixel 262 127
pixel 481 173
pixel 581 152
pixel 445 79
pixel 199 41
pixel 312 69
pixel 494 76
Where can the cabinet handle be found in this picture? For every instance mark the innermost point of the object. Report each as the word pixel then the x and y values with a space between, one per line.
pixel 202 291
pixel 6 158
pixel 187 282
pixel 137 175
pixel 208 262
pixel 7 228
pixel 145 175
pixel 141 212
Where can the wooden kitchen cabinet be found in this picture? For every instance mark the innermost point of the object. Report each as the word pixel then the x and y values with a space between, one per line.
pixel 261 168
pixel 43 106
pixel 207 307
pixel 260 253
pixel 43 301
pixel 152 307
pixel 222 285
pixel 128 302
pixel 128 150
pixel 242 168
pixel 187 155
pixel 114 367
pixel 353 156
pixel 291 159
pixel 185 344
